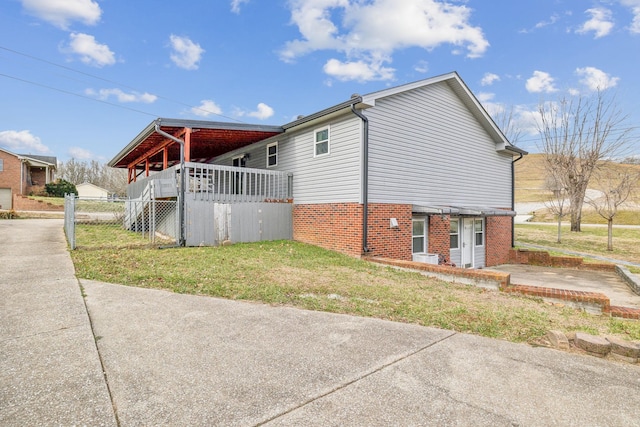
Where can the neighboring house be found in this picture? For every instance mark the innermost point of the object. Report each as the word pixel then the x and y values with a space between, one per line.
pixel 23 174
pixel 87 190
pixel 416 171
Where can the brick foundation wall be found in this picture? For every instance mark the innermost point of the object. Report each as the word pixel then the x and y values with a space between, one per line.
pixel 334 226
pixel 439 240
pixel 498 240
pixel 23 203
pixel 384 241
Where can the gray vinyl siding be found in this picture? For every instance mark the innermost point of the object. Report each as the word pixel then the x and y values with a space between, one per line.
pixel 332 178
pixel 425 147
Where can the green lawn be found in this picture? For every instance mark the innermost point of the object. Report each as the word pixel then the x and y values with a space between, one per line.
pixel 305 276
pixel 591 240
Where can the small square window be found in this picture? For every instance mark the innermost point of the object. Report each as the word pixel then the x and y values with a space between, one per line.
pixel 272 155
pixel 321 142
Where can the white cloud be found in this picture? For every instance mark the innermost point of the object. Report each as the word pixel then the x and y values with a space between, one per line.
pixel 369 32
pixel 634 5
pixel 80 153
pixel 235 5
pixel 601 22
pixel 206 108
pixel 357 70
pixel 489 78
pixel 263 112
pixel 90 51
pixel 104 94
pixel 22 142
pixel 185 53
pixel 485 97
pixel 596 79
pixel 421 67
pixel 540 82
pixel 62 12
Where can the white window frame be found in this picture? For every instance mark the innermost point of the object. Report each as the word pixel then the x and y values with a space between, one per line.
pixel 457 220
pixel 315 142
pixel 424 235
pixel 273 144
pixel 476 232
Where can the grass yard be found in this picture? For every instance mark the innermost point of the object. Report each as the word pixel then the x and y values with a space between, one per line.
pixel 305 276
pixel 591 240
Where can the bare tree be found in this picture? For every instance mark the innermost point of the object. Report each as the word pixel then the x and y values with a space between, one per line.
pixel 78 172
pixel 558 204
pixel 615 186
pixel 506 121
pixel 576 134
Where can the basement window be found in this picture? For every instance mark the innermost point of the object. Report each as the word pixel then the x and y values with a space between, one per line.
pixel 419 236
pixel 478 228
pixel 454 234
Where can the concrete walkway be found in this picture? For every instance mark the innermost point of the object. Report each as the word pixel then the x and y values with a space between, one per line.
pixel 173 359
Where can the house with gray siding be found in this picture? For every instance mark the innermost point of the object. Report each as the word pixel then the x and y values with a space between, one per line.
pixel 418 171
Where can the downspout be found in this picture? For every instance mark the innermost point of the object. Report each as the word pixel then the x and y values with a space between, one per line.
pixel 182 240
pixel 365 178
pixel 513 199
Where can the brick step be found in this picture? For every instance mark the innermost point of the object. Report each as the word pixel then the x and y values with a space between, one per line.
pixel 625 312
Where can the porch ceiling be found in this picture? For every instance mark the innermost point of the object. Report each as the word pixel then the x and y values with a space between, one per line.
pixel 208 140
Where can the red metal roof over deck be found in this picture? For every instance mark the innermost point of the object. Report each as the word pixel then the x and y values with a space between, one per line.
pixel 204 141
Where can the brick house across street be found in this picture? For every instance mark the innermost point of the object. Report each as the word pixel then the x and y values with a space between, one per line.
pixel 23 174
pixel 419 171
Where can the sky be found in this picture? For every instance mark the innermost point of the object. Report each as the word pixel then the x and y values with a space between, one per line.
pixel 81 78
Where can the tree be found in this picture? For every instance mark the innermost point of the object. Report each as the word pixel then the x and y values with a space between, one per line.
pixel 615 186
pixel 557 202
pixel 576 134
pixel 60 188
pixel 506 121
pixel 78 172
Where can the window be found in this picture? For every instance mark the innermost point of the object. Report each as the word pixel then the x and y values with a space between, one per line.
pixel 454 234
pixel 272 155
pixel 1 165
pixel 321 142
pixel 419 236
pixel 479 231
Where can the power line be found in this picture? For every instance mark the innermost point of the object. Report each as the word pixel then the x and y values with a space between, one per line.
pixel 77 94
pixel 35 58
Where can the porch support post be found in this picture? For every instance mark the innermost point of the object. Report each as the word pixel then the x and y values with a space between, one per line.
pixel 165 158
pixel 146 167
pixel 187 145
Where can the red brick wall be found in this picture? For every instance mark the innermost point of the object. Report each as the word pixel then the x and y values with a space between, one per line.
pixel 335 226
pixel 439 242
pixel 498 240
pixel 338 227
pixel 387 242
pixel 10 174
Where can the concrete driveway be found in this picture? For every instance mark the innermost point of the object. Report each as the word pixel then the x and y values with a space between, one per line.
pixel 124 356
pixel 604 282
